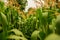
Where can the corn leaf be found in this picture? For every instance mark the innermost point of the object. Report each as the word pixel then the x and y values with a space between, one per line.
pixel 34 35
pixel 16 37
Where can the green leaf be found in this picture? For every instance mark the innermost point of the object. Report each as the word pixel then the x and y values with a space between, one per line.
pixel 1 6
pixel 42 35
pixel 0 28
pixel 3 19
pixel 44 18
pixel 16 37
pixel 34 35
pixel 17 32
pixel 53 37
pixel 5 24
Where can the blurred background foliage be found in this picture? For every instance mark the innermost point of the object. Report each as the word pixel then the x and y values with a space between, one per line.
pixel 36 24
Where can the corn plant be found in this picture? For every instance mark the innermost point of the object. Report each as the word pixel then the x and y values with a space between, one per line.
pixel 35 27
